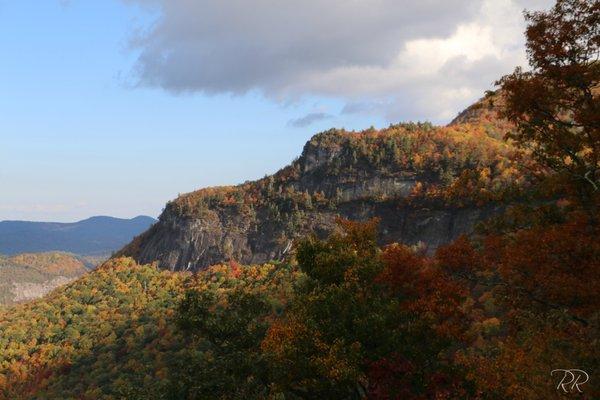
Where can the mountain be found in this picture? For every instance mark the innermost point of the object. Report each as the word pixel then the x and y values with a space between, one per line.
pixel 112 334
pixel 427 185
pixel 29 276
pixel 345 318
pixel 92 236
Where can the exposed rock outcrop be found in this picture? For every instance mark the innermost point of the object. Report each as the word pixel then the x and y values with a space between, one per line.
pixel 182 243
pixel 426 184
pixel 23 291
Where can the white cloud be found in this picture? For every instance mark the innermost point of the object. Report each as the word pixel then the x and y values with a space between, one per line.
pixel 400 59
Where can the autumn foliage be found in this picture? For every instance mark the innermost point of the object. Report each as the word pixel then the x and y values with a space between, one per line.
pixel 488 316
pixel 556 105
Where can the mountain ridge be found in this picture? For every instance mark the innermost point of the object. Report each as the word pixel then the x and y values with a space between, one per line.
pixel 92 236
pixel 427 184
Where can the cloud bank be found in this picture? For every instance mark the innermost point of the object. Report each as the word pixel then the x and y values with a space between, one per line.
pixel 398 59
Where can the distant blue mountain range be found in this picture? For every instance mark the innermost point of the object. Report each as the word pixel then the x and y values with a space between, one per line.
pixel 92 236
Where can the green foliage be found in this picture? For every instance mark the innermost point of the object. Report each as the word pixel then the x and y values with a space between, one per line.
pixel 226 324
pixel 114 333
pixel 483 319
pixel 348 320
pixel 332 261
pixel 227 332
pixel 69 344
pixel 351 321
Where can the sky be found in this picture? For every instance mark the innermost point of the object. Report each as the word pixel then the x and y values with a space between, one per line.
pixel 114 107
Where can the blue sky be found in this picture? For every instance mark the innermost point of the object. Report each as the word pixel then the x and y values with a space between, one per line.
pixel 92 123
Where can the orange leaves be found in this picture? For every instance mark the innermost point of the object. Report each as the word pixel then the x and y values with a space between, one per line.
pixel 114 312
pixel 280 335
pixel 55 263
pixel 361 235
pixel 518 366
pixel 235 269
pixel 436 156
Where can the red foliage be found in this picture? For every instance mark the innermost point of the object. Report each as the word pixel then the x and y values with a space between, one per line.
pixel 458 257
pixel 555 267
pixel 425 289
pixel 389 379
pixel 235 268
pixel 393 378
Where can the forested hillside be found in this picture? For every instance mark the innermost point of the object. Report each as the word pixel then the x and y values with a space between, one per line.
pixel 114 334
pixel 352 313
pixel 427 184
pixel 479 320
pixel 29 276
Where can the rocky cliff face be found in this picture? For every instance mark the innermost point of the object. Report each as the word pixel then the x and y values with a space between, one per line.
pixel 426 184
pixel 194 243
